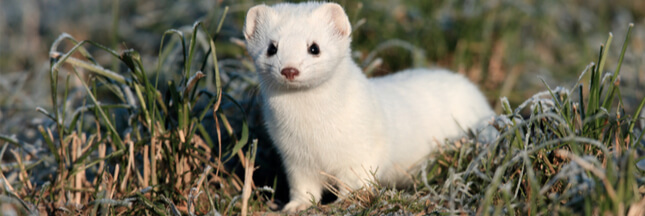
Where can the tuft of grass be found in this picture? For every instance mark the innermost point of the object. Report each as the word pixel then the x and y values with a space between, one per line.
pixel 136 145
pixel 574 153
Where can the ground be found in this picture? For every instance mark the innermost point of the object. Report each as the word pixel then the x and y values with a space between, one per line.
pixel 560 152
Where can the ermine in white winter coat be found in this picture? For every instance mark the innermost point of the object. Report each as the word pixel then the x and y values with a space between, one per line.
pixel 327 118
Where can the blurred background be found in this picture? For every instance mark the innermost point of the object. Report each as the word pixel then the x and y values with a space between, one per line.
pixel 506 46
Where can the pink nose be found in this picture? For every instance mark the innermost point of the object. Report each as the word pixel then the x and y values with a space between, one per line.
pixel 290 73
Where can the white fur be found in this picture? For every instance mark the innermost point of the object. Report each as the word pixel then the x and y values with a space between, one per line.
pixel 333 121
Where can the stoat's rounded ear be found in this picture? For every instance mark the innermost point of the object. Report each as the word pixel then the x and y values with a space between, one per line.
pixel 254 17
pixel 337 18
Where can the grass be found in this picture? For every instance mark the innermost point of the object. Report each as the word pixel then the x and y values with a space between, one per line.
pixel 183 136
pixel 161 155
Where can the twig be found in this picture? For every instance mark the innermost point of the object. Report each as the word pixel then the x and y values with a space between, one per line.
pixel 248 177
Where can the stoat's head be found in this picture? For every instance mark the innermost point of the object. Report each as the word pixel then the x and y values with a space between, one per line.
pixel 297 45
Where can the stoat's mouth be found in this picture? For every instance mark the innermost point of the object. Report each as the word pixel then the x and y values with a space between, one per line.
pixel 297 81
pixel 294 83
pixel 280 82
pixel 276 80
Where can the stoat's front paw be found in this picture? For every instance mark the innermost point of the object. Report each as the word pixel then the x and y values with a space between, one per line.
pixel 295 206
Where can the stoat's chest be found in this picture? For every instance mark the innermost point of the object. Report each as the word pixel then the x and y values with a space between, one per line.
pixel 321 130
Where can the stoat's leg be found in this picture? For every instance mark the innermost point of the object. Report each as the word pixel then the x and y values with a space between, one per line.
pixel 305 188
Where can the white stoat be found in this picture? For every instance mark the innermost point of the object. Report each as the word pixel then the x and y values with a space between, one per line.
pixel 327 118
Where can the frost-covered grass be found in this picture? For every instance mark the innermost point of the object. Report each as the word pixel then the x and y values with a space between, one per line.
pixel 180 135
pixel 574 153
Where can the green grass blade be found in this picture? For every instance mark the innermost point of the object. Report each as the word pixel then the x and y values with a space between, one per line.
pixel 614 85
pixel 115 135
pixel 636 116
pixel 603 57
pixel 221 20
pixel 50 144
pixel 191 51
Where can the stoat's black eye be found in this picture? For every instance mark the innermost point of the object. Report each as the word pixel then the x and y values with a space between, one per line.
pixel 314 49
pixel 272 50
